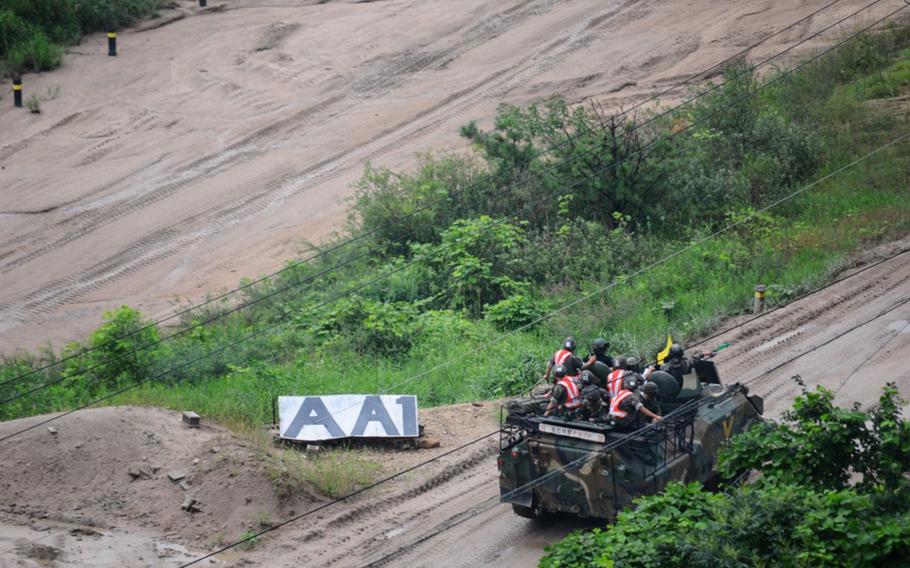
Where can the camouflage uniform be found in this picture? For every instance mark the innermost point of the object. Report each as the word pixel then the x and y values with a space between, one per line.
pixel 630 406
pixel 678 368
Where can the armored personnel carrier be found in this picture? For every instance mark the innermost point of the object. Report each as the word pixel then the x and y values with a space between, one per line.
pixel 592 469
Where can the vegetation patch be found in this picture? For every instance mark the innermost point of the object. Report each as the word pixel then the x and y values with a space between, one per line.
pixel 832 492
pixel 558 211
pixel 34 33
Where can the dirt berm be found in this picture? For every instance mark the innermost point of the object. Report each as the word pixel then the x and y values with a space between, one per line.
pixel 116 480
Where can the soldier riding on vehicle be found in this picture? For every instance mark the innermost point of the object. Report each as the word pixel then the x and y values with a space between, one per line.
pixel 566 393
pixel 627 406
pixel 565 357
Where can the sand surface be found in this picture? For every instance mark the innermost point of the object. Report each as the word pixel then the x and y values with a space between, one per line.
pixel 69 497
pixel 220 139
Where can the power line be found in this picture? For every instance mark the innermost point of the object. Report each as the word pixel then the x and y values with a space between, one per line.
pixel 564 307
pixel 832 339
pixel 584 459
pixel 799 298
pixel 427 206
pixel 539 481
pixel 894 335
pixel 727 330
pixel 545 316
pixel 501 338
pixel 340 499
pixel 650 145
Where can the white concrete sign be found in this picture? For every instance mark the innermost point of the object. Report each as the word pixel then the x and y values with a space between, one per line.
pixel 314 418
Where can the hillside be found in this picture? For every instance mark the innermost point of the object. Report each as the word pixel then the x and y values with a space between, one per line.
pixel 221 138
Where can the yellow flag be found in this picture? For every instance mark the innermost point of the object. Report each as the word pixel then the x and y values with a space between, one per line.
pixel 663 354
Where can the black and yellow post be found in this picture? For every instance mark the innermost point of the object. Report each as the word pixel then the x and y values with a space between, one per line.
pixel 112 43
pixel 202 3
pixel 758 304
pixel 17 91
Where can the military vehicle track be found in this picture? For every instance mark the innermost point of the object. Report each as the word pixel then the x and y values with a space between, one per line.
pixel 459 524
pixel 169 240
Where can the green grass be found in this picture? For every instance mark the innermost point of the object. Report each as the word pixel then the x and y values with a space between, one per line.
pixel 399 337
pixel 34 33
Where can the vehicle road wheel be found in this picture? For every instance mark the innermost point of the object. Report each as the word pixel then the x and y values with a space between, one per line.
pixel 533 512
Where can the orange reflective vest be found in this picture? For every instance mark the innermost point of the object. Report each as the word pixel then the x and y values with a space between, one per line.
pixel 573 395
pixel 614 404
pixel 614 382
pixel 560 357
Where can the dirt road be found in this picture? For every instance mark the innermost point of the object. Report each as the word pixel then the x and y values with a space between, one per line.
pixel 219 138
pixel 98 490
pixel 849 338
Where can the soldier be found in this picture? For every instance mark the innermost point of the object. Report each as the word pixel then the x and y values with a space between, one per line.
pixel 614 379
pixel 566 357
pixel 598 353
pixel 633 364
pixel 566 393
pixel 678 365
pixel 626 407
pixel 594 397
pixel 650 396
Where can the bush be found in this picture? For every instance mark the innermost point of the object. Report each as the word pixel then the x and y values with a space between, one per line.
pixel 803 511
pixel 34 54
pixel 825 446
pixel 477 263
pixel 13 30
pixel 516 311
pixel 368 327
pixel 119 350
pixel 398 210
pixel 33 31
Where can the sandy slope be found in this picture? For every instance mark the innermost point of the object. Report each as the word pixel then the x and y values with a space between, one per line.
pixel 220 138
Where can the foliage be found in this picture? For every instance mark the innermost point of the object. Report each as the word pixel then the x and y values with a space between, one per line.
pixel 396 210
pixel 36 53
pixel 33 103
pixel 476 264
pixel 455 256
pixel 600 158
pixel 118 350
pixel 33 32
pixel 807 509
pixel 517 311
pixel 334 473
pixel 368 327
pixel 825 446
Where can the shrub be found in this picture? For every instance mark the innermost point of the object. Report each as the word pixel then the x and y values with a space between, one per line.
pixel 518 310
pixel 477 263
pixel 401 209
pixel 119 350
pixel 803 511
pixel 822 445
pixel 33 31
pixel 13 30
pixel 368 327
pixel 34 54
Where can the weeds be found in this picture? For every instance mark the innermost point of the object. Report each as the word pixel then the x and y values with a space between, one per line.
pixel 33 103
pixel 335 473
pixel 250 540
pixel 33 33
pixel 482 278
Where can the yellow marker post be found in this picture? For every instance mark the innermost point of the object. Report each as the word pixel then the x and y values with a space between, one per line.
pixel 17 91
pixel 112 43
pixel 758 304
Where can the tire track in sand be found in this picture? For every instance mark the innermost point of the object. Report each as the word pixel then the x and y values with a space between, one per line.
pixel 169 240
